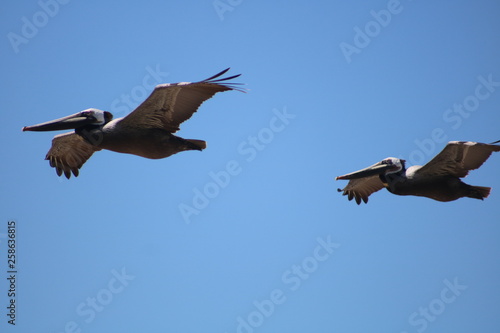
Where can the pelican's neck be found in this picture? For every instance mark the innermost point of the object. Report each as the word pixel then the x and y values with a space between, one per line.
pixel 91 133
pixel 393 177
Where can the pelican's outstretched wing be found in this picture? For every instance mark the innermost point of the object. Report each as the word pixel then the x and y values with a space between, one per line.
pixel 170 104
pixel 457 158
pixel 68 153
pixel 361 188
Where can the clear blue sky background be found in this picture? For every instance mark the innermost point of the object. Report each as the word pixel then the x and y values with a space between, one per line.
pixel 110 251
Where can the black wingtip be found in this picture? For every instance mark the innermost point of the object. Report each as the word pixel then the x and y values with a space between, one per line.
pixel 222 81
pixel 494 142
pixel 219 74
pixel 229 78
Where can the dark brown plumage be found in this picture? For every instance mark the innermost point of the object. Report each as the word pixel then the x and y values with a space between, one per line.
pixel 439 179
pixel 147 131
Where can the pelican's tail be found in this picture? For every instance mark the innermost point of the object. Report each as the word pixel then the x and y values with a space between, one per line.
pixel 479 192
pixel 197 144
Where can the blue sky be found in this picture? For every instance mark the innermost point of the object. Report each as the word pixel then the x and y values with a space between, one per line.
pixel 269 245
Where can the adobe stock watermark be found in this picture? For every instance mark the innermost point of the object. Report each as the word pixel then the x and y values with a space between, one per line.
pixel 93 305
pixel 363 36
pixel 454 116
pixel 292 278
pixel 128 101
pixel 425 315
pixel 223 6
pixel 32 25
pixel 248 150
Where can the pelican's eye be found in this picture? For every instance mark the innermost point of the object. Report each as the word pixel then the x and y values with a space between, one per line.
pixel 89 114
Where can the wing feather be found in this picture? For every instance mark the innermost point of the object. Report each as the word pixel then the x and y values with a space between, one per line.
pixel 457 159
pixel 171 104
pixel 360 189
pixel 68 153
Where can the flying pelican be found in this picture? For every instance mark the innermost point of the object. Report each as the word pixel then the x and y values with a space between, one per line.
pixel 439 179
pixel 146 131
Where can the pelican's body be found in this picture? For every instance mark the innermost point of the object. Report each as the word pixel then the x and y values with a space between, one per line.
pixel 440 188
pixel 439 179
pixel 154 143
pixel 147 131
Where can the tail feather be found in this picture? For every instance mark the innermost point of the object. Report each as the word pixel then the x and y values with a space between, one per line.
pixel 479 192
pixel 198 144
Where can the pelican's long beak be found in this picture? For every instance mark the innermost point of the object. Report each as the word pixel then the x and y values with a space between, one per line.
pixel 375 169
pixel 69 122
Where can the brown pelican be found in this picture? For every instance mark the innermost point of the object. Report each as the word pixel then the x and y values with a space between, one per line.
pixel 439 179
pixel 146 131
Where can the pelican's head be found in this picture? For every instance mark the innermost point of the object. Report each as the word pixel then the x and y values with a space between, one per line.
pixel 86 117
pixel 394 164
pixel 386 166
